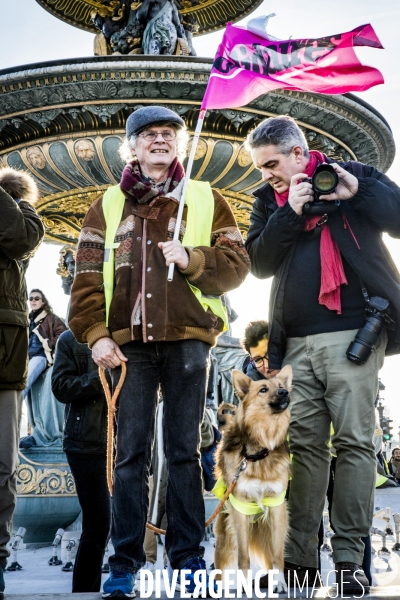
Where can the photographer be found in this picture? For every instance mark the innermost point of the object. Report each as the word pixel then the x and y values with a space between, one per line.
pixel 328 269
pixel 21 231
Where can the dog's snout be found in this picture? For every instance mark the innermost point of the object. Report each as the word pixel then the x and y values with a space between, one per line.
pixel 281 400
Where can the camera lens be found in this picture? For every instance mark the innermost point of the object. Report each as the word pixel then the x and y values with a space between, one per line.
pixel 325 179
pixel 359 351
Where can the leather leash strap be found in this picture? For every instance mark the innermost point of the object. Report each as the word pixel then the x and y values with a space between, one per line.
pixel 112 407
pixel 112 404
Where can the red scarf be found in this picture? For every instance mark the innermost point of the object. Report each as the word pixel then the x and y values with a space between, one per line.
pixel 133 185
pixel 332 272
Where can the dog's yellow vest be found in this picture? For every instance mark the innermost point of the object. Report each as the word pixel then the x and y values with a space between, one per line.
pixel 247 507
pixel 200 203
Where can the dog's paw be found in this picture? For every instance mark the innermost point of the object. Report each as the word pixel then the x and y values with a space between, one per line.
pixel 280 587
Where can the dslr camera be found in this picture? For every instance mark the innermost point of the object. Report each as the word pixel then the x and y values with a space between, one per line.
pixel 376 313
pixel 324 181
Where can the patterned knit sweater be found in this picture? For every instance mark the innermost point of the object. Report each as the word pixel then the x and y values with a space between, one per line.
pixel 169 310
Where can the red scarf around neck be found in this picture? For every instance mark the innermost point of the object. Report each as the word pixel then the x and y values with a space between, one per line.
pixel 136 188
pixel 332 271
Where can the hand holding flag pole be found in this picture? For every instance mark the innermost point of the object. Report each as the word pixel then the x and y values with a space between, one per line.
pixel 195 142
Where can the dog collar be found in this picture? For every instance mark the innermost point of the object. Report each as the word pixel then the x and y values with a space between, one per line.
pixel 255 457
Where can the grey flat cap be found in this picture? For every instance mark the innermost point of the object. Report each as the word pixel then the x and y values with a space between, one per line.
pixel 144 117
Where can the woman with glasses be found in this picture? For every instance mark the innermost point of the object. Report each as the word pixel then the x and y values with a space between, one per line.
pixel 44 330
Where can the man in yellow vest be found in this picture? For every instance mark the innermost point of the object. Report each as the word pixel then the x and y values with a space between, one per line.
pixel 124 308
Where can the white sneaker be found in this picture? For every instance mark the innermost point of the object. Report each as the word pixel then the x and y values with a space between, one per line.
pixel 148 566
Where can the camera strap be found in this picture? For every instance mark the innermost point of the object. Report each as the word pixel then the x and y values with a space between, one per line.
pixel 364 292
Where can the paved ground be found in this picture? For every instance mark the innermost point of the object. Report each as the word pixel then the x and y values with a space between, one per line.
pixel 37 580
pixel 389 593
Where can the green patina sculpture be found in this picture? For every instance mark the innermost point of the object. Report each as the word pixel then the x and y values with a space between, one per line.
pixel 150 27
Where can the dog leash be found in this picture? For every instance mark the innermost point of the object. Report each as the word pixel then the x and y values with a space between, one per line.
pixel 112 407
pixel 218 509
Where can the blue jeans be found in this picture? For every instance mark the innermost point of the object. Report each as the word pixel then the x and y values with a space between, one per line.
pixel 36 366
pixel 181 369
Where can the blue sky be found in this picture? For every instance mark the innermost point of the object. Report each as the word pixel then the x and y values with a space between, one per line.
pixel 30 35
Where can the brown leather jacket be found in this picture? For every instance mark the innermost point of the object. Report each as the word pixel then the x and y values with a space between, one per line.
pixel 48 329
pixel 169 310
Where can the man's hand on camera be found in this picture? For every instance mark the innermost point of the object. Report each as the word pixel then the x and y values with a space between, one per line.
pixel 346 188
pixel 107 354
pixel 300 192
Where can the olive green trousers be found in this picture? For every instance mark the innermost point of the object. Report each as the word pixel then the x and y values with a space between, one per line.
pixel 10 418
pixel 328 388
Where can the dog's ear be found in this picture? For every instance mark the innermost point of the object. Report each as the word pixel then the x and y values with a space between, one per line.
pixel 241 383
pixel 286 377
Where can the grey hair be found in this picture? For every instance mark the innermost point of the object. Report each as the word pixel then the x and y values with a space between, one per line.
pixel 282 132
pixel 182 141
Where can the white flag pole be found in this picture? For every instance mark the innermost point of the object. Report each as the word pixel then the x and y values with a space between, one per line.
pixel 187 177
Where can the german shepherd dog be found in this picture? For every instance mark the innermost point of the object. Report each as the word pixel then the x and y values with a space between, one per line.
pixel 258 433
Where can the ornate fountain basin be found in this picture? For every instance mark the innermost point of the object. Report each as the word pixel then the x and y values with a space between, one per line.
pixel 46 494
pixel 64 120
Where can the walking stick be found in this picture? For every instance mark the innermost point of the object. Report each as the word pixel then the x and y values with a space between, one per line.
pixel 185 185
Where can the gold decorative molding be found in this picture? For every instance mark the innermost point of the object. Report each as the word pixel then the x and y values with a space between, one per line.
pixel 210 14
pixel 44 481
pixel 63 212
pixel 241 208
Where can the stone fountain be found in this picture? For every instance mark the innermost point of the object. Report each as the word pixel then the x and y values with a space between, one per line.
pixel 63 121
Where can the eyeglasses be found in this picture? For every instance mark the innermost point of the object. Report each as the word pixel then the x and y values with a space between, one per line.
pixel 259 361
pixel 36 298
pixel 151 136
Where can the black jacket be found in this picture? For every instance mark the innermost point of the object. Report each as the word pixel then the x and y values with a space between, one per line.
pixel 273 234
pixel 75 382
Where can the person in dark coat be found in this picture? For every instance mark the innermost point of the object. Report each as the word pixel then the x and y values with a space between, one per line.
pixel 21 231
pixel 325 267
pixel 76 383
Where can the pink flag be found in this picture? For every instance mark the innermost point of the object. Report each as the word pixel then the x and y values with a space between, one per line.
pixel 248 64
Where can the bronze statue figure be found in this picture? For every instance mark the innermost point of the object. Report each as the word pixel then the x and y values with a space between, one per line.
pixel 149 27
pixel 163 26
pixel 66 268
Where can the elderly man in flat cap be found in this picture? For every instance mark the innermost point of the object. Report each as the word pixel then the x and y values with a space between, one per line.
pixel 124 308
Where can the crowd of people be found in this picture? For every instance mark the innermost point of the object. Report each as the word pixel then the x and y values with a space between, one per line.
pixel 329 267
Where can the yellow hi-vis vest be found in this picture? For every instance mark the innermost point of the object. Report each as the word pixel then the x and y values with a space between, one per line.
pixel 380 480
pixel 247 507
pixel 200 203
